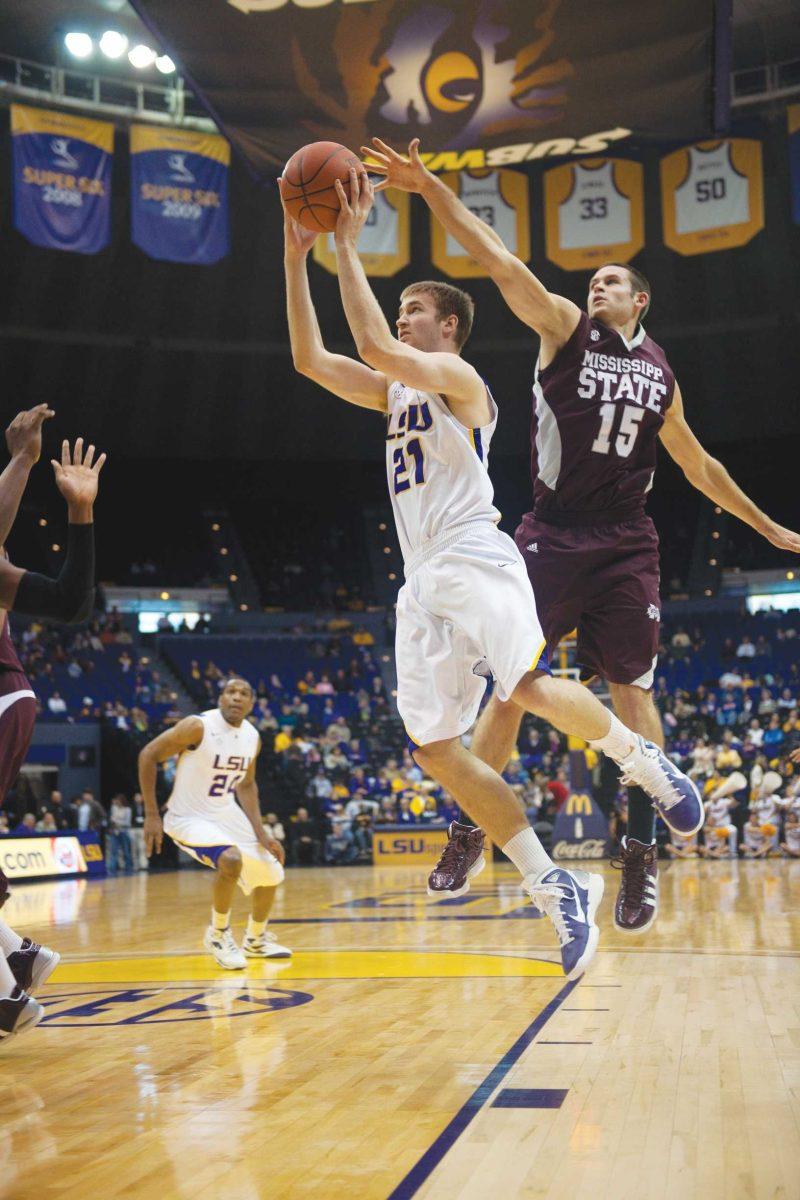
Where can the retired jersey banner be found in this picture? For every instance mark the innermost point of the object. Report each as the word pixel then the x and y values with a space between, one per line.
pixel 500 199
pixel 712 196
pixel 179 194
pixel 594 212
pixel 793 118
pixel 62 179
pixel 384 246
pixel 483 83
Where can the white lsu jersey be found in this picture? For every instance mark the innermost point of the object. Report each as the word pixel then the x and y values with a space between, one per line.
pixel 437 470
pixel 206 778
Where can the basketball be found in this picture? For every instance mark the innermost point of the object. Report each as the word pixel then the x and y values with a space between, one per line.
pixel 309 179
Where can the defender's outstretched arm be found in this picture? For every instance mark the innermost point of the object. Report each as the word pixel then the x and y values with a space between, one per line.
pixel 553 317
pixel 709 476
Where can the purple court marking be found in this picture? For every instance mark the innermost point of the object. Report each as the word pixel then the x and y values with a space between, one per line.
pixel 430 1160
pixel 530 1098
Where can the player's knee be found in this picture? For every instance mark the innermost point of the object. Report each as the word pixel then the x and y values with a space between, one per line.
pixel 229 863
pixel 435 754
pixel 534 692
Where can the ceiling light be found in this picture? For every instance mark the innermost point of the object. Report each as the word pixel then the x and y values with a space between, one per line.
pixel 141 57
pixel 165 64
pixel 113 43
pixel 80 45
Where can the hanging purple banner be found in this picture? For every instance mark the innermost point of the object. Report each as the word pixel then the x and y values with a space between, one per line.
pixel 62 179
pixel 179 194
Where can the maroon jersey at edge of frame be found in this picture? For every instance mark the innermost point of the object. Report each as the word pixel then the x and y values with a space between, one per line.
pixel 598 408
pixel 9 662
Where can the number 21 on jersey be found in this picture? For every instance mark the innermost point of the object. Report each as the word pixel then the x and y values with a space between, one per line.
pixel 408 458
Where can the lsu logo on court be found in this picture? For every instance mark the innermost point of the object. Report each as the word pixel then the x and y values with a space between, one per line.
pixel 157 1005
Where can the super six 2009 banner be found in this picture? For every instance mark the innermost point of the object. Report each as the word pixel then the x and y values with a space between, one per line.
pixel 483 83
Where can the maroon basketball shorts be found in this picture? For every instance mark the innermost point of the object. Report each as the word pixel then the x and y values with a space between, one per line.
pixel 602 581
pixel 17 718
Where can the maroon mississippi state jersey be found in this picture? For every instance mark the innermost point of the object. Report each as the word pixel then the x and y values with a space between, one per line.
pixel 9 662
pixel 598 408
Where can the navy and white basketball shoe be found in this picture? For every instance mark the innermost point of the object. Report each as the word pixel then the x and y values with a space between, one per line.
pixel 675 797
pixel 570 899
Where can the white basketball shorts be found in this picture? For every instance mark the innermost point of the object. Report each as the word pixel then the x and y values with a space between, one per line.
pixel 465 612
pixel 206 837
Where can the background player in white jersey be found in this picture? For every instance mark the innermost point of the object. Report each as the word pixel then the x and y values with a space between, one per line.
pixel 467 607
pixel 216 767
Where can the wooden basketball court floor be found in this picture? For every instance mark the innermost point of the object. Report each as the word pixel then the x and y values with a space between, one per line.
pixel 411 1048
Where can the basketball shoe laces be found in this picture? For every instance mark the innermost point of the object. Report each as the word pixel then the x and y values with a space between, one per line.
pixel 456 848
pixel 227 938
pixel 653 778
pixel 634 873
pixel 548 898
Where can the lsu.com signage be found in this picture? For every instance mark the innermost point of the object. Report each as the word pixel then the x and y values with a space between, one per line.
pixel 580 829
pixel 407 846
pixel 29 858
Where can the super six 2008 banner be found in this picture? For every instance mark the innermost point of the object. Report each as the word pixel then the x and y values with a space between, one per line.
pixel 483 83
pixel 62 179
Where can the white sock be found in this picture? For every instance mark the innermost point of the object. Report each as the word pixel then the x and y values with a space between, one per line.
pixel 10 942
pixel 618 742
pixel 7 980
pixel 255 928
pixel 220 921
pixel 527 853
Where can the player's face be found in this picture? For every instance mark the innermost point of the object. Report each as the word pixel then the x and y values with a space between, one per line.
pixel 418 323
pixel 611 297
pixel 236 701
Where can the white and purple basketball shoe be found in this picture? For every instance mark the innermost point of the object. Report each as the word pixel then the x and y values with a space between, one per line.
pixel 570 899
pixel 675 797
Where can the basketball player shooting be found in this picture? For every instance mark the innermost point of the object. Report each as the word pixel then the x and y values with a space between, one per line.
pixel 603 394
pixel 25 965
pixel 466 609
pixel 217 752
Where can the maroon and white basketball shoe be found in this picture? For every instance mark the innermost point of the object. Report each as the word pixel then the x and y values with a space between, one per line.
pixel 462 859
pixel 32 965
pixel 637 900
pixel 18 1013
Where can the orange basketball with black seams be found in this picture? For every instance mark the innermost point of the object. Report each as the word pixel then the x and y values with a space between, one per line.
pixel 308 183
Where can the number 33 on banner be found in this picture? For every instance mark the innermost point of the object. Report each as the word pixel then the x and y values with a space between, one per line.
pixel 594 212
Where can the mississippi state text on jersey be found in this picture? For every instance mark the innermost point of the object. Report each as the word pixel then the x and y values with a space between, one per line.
pixel 598 408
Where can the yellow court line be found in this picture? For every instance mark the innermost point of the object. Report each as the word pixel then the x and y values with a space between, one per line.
pixel 314 964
